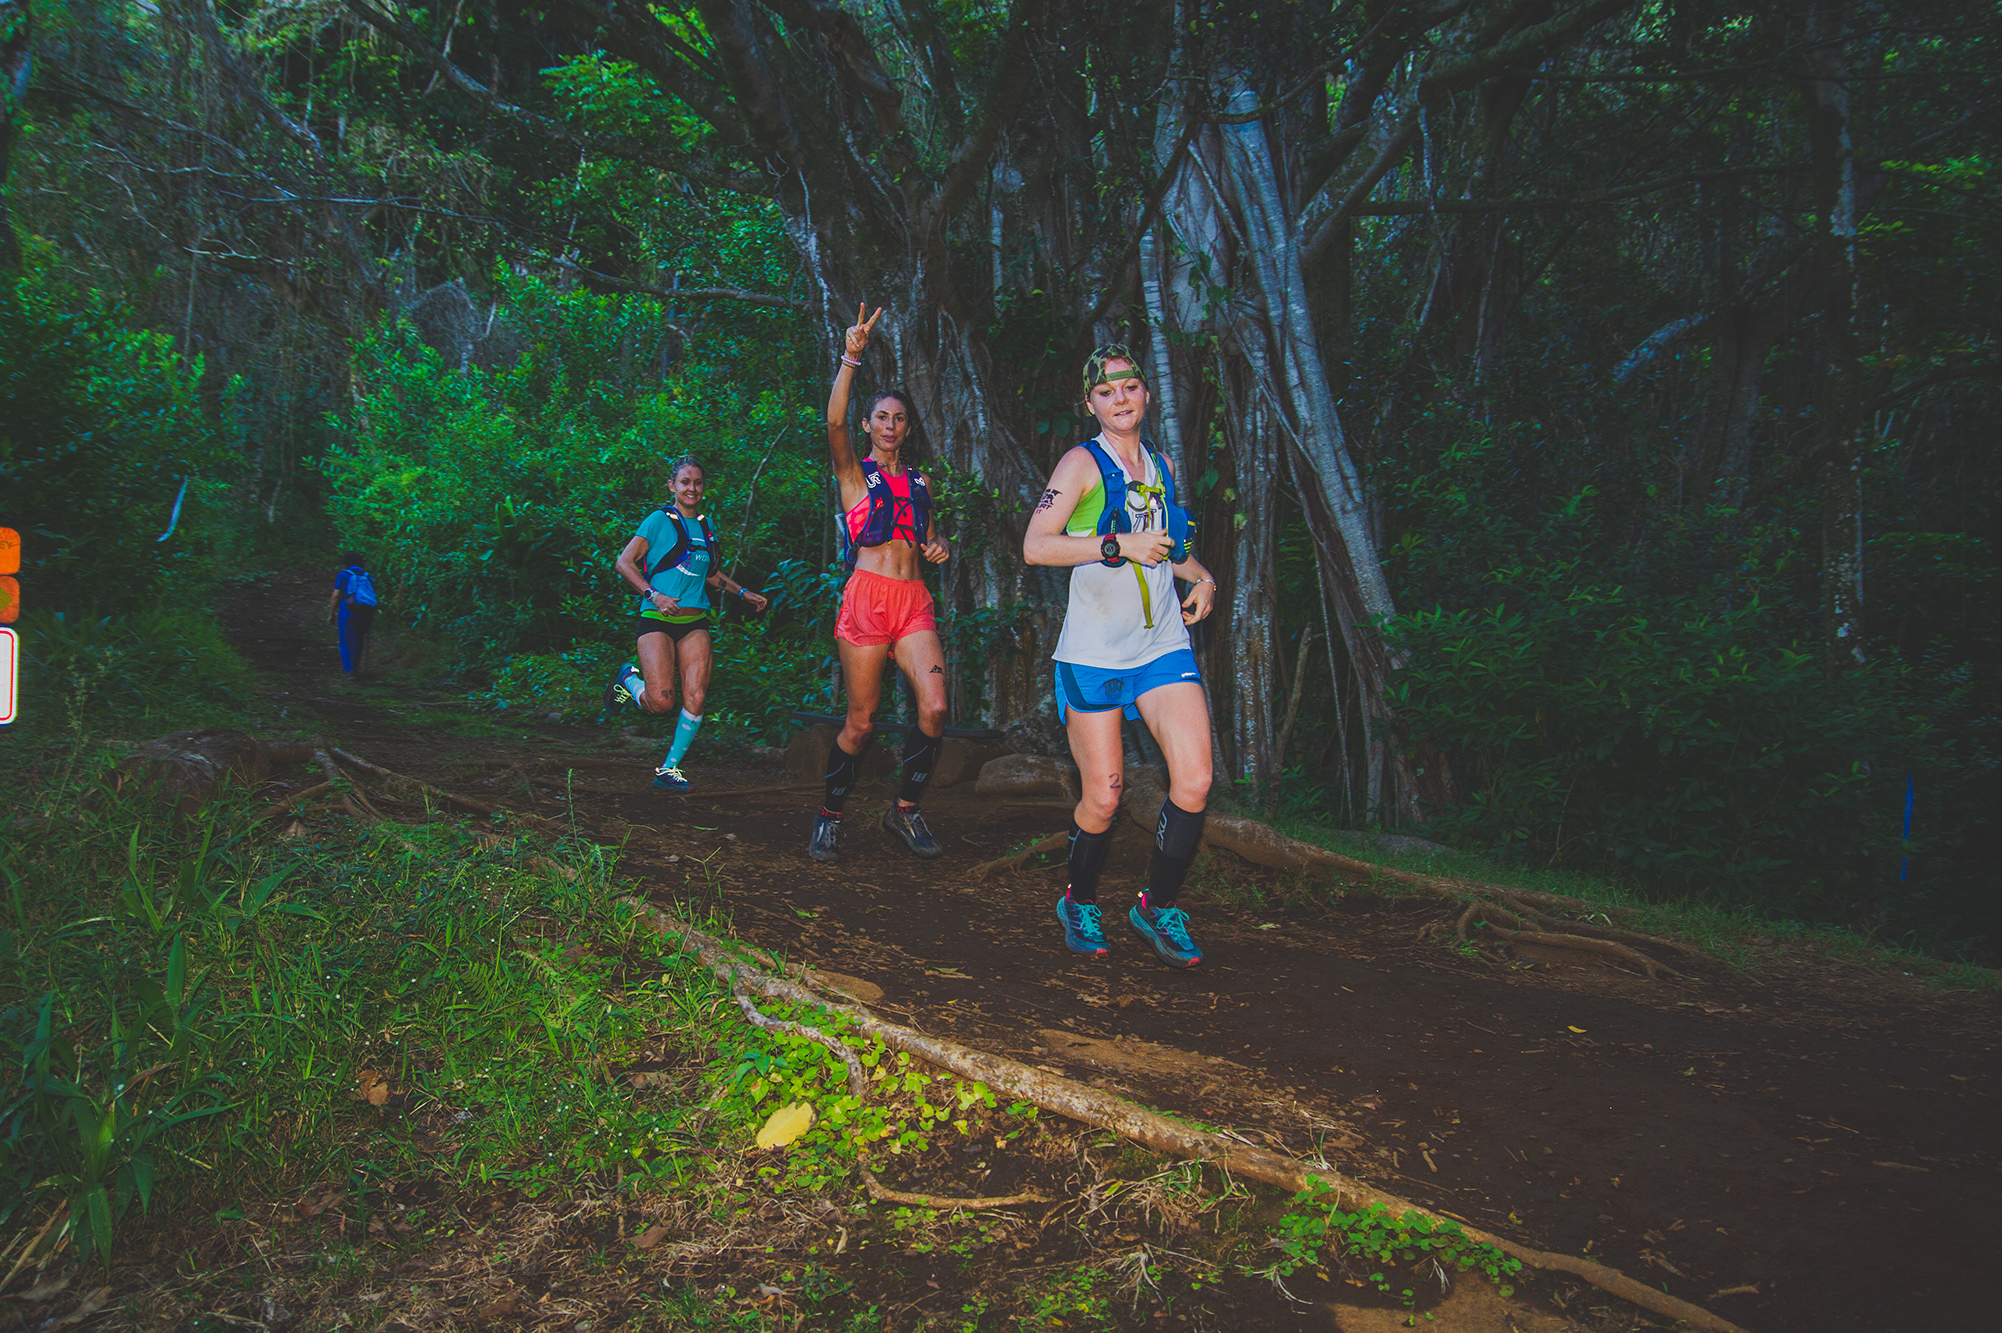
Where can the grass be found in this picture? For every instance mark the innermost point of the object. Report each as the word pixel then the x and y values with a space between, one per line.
pixel 366 1050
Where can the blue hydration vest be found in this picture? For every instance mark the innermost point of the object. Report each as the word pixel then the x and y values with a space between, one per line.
pixel 1114 518
pixel 878 528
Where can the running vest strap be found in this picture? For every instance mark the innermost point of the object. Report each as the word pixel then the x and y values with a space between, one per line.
pixel 881 525
pixel 681 542
pixel 1114 518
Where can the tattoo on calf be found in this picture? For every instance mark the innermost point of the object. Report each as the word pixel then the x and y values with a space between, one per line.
pixel 936 671
pixel 1049 500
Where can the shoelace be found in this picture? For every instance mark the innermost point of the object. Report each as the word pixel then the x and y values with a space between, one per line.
pixel 1088 922
pixel 665 772
pixel 1174 923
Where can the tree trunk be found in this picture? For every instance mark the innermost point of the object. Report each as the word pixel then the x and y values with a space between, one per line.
pixel 1297 378
pixel 1831 138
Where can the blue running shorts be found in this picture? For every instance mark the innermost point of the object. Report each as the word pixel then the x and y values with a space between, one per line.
pixel 1099 690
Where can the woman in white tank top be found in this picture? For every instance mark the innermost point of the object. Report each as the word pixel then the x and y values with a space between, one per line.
pixel 1125 651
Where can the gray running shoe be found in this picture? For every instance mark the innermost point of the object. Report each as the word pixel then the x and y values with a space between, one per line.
pixel 909 825
pixel 825 843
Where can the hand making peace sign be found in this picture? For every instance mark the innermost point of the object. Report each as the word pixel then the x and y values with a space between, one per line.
pixel 858 332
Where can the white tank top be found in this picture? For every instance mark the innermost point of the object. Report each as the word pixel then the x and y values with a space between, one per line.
pixel 1107 625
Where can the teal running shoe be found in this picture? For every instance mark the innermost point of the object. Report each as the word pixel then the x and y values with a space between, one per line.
pixel 669 779
pixel 1168 931
pixel 626 688
pixel 1083 932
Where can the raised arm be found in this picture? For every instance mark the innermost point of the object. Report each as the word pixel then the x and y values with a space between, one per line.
pixel 1045 543
pixel 841 444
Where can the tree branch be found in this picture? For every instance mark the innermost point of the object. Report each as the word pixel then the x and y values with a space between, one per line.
pixel 1534 40
pixel 1147 216
pixel 1005 89
pixel 684 293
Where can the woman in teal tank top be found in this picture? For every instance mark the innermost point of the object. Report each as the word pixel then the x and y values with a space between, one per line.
pixel 672 562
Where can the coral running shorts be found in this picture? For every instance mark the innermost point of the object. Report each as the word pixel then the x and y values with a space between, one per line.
pixel 878 610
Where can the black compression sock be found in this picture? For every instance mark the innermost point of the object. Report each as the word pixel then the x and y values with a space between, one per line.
pixel 920 758
pixel 1177 835
pixel 843 769
pixel 1087 862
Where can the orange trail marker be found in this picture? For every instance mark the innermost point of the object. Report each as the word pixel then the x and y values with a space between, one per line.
pixel 10 551
pixel 10 599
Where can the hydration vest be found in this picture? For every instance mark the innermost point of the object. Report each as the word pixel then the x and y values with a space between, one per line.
pixel 681 542
pixel 1114 518
pixel 880 526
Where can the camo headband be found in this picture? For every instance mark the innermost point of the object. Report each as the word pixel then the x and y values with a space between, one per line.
pixel 1095 372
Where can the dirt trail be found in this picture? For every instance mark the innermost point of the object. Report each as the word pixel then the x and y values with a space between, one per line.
pixel 1813 1148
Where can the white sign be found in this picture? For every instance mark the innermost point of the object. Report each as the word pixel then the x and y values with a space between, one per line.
pixel 10 657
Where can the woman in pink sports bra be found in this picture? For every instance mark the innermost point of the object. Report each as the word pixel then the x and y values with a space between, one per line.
pixel 886 610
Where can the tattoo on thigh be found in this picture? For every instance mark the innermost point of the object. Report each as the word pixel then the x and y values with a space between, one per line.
pixel 1049 500
pixel 936 671
pixel 1115 782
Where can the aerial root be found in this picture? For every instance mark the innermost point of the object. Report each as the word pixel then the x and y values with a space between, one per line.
pixel 1102 1110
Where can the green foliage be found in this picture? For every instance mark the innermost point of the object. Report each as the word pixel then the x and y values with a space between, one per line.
pixel 160 660
pixel 102 426
pixel 177 997
pixel 495 503
pixel 1693 749
pixel 1315 1230
pixel 1661 709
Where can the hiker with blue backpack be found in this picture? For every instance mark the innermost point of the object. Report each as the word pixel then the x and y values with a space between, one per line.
pixel 1110 513
pixel 886 610
pixel 671 562
pixel 355 600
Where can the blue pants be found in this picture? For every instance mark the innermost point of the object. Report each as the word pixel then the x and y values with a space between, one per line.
pixel 356 621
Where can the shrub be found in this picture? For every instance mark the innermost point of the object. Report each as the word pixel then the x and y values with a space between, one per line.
pixel 102 427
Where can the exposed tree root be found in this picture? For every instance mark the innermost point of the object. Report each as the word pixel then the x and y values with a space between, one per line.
pixel 340 791
pixel 463 802
pixel 1261 844
pixel 1016 860
pixel 1532 927
pixel 1102 1110
pixel 858 1082
pixel 281 806
pixel 884 1194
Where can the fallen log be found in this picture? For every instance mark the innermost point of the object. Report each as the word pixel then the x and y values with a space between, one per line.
pixel 1101 1110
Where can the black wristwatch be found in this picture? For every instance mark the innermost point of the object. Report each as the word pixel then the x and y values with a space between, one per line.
pixel 1108 546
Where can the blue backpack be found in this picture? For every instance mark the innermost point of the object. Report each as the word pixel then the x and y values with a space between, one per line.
pixel 361 588
pixel 1114 518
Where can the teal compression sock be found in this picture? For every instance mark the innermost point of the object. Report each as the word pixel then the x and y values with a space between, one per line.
pixel 685 728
